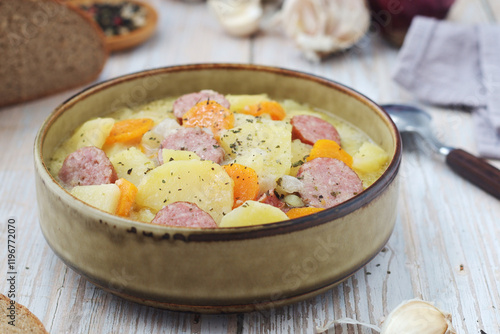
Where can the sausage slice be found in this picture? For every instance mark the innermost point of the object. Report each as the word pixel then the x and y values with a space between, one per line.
pixel 186 102
pixel 310 129
pixel 86 166
pixel 183 214
pixel 327 182
pixel 195 140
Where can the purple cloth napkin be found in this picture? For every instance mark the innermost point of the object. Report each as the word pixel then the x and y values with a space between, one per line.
pixel 447 63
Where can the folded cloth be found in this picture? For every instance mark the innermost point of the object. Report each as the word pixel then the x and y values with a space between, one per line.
pixel 452 64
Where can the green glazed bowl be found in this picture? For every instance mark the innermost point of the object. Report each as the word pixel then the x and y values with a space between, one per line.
pixel 218 270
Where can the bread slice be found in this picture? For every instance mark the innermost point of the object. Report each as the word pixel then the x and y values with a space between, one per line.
pixel 46 47
pixel 25 321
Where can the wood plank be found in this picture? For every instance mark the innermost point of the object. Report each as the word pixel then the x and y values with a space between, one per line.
pixel 494 7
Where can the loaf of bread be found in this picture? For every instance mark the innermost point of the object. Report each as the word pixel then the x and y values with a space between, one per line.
pixel 46 46
pixel 23 319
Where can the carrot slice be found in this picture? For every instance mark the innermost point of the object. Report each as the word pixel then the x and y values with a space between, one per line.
pixel 325 148
pixel 209 114
pixel 300 212
pixel 129 131
pixel 246 183
pixel 273 108
pixel 127 197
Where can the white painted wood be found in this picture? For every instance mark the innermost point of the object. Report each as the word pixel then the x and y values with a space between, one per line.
pixel 473 11
pixel 494 7
pixel 445 247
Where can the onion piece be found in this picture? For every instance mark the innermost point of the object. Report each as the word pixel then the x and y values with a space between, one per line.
pixel 293 201
pixel 289 184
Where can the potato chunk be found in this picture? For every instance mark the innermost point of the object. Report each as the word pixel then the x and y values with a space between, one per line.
pixel 369 158
pixel 263 145
pixel 131 164
pixel 90 133
pixel 369 162
pixel 175 155
pixel 102 196
pixel 143 215
pixel 238 102
pixel 156 110
pixel 112 149
pixel 204 183
pixel 253 213
pixel 300 151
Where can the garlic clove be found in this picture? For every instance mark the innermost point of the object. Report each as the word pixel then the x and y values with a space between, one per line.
pixel 322 27
pixel 413 316
pixel 239 18
pixel 417 317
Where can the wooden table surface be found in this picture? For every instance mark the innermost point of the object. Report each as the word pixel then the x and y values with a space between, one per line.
pixel 445 247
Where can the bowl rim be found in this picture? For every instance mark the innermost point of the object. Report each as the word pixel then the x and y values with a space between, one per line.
pixel 228 233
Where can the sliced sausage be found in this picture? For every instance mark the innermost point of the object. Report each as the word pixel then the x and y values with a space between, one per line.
pixel 327 182
pixel 186 102
pixel 310 129
pixel 195 140
pixel 184 214
pixel 87 166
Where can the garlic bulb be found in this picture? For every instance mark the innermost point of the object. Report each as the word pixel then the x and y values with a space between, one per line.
pixel 238 17
pixel 417 317
pixel 413 316
pixel 321 27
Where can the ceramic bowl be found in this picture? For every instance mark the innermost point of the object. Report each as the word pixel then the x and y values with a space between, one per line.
pixel 218 270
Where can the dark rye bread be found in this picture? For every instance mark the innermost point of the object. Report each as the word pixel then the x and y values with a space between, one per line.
pixel 46 47
pixel 25 321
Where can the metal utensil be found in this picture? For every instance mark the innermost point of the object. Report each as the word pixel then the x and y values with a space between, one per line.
pixel 476 170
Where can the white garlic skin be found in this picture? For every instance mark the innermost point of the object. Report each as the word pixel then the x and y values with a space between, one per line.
pixel 322 27
pixel 240 18
pixel 417 317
